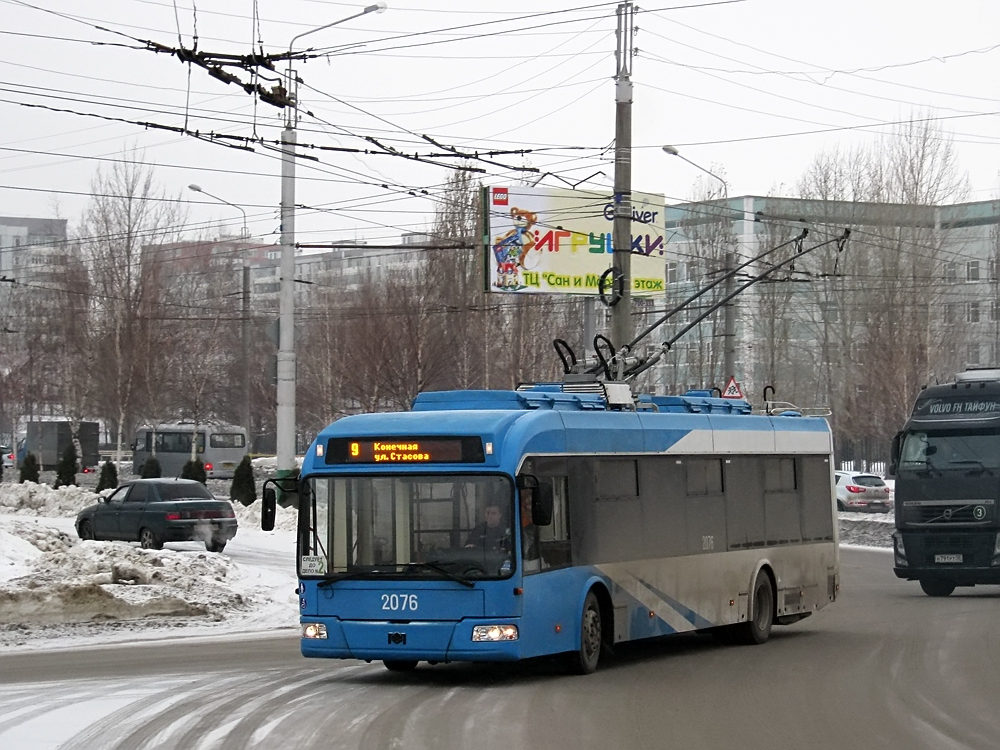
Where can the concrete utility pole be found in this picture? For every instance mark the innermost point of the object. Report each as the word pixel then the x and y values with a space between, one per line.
pixel 285 448
pixel 729 311
pixel 621 313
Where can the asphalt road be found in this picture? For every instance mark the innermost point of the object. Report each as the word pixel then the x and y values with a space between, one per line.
pixel 885 667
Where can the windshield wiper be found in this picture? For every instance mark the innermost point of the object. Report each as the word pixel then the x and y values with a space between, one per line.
pixel 974 462
pixel 331 579
pixel 438 569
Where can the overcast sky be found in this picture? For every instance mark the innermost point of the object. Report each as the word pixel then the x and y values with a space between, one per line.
pixel 749 90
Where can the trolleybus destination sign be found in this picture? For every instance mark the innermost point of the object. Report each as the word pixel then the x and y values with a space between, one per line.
pixel 408 450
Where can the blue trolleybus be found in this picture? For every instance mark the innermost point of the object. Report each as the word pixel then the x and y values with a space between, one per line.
pixel 503 525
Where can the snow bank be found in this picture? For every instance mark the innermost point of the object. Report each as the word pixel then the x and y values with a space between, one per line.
pixel 867 529
pixel 66 581
pixel 41 500
pixel 107 580
pixel 285 519
pixel 57 589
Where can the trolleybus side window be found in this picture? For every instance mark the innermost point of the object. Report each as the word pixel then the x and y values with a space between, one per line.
pixel 704 506
pixel 553 539
pixel 663 514
pixel 816 496
pixel 782 517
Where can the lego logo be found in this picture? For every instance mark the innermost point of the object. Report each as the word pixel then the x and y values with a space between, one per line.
pixel 500 196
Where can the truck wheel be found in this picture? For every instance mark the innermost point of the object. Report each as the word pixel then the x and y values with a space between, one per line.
pixel 148 540
pixel 937 588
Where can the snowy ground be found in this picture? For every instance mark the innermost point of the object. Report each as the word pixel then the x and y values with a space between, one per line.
pixel 57 591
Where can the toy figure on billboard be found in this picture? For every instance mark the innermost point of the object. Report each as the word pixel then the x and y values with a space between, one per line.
pixel 511 249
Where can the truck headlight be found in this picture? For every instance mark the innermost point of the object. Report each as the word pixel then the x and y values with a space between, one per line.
pixel 313 630
pixel 898 550
pixel 494 633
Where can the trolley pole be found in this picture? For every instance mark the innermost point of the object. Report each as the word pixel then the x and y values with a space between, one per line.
pixel 621 313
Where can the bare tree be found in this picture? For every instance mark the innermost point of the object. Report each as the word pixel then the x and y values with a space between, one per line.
pixel 874 311
pixel 127 213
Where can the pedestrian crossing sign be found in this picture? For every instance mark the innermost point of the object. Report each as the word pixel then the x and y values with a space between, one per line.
pixel 733 389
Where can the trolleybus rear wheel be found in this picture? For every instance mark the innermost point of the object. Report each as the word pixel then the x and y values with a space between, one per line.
pixel 585 660
pixel 400 665
pixel 758 628
pixel 937 588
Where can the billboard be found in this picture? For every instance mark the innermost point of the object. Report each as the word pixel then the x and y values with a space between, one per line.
pixel 546 240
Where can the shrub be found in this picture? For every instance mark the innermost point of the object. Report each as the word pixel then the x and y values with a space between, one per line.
pixel 194 470
pixel 151 469
pixel 29 469
pixel 66 468
pixel 109 476
pixel 243 488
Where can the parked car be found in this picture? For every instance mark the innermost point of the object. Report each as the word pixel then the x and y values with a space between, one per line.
pixel 8 456
pixel 857 491
pixel 154 511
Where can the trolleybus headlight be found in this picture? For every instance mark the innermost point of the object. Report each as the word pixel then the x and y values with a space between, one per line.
pixel 313 630
pixel 494 633
pixel 899 551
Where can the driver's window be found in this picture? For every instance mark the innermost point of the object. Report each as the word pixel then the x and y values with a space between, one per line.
pixel 553 541
pixel 915 449
pixel 118 495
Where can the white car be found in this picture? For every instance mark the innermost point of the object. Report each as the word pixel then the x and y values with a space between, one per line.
pixel 8 456
pixel 863 493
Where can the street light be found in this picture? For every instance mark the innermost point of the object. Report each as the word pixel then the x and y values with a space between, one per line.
pixel 244 331
pixel 285 416
pixel 245 232
pixel 674 152
pixel 729 313
pixel 376 8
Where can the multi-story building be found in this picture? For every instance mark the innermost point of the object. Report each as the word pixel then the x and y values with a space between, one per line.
pixel 911 297
pixel 26 243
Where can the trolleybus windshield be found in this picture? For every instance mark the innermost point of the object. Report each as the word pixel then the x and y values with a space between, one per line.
pixel 426 526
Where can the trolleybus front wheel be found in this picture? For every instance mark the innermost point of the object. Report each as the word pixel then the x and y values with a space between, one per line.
pixel 937 588
pixel 758 628
pixel 585 660
pixel 400 665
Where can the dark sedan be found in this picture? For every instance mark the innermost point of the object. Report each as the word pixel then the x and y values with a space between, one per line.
pixel 154 511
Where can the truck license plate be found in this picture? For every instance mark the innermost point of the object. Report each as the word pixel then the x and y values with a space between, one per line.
pixel 947 558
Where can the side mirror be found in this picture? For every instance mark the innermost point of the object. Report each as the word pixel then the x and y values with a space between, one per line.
pixel 268 509
pixel 541 505
pixel 894 454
